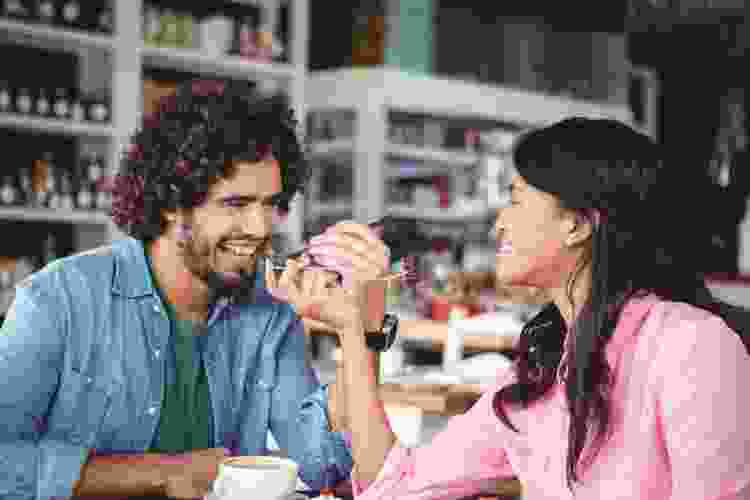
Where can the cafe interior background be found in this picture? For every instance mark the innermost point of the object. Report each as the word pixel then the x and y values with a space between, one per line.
pixel 410 109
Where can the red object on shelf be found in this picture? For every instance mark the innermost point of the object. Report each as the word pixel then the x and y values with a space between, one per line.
pixel 442 185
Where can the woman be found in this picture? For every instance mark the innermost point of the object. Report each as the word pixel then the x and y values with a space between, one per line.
pixel 626 386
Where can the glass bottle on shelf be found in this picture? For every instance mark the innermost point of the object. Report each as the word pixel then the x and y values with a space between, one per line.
pixel 77 108
pixel 6 97
pixel 103 197
pixel 42 105
pixel 43 181
pixel 95 168
pixel 105 22
pixel 45 11
pixel 61 107
pixel 71 14
pixel 25 183
pixel 151 26
pixel 50 186
pixel 84 197
pixel 8 193
pixel 23 101
pixel 66 192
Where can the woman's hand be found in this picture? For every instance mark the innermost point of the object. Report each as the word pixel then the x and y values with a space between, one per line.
pixel 315 294
pixel 354 251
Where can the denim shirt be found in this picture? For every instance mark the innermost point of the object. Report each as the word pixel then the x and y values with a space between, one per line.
pixel 82 364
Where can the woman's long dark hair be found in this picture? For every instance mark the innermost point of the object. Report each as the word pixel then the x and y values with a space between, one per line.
pixel 607 172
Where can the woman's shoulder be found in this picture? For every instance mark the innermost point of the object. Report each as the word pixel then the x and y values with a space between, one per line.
pixel 676 330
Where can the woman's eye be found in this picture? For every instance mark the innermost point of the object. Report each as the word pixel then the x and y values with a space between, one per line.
pixel 234 203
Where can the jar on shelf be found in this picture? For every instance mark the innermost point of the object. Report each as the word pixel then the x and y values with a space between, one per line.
pixel 42 104
pixel 6 97
pixel 15 9
pixel 70 14
pixel 98 107
pixel 24 103
pixel 170 30
pixel 8 192
pixel 61 106
pixel 45 11
pixel 185 30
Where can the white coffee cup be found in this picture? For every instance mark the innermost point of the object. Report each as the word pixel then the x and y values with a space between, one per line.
pixel 257 477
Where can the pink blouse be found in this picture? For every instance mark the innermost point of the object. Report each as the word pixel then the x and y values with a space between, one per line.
pixel 680 416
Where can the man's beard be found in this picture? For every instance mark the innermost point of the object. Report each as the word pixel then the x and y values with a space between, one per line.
pixel 238 289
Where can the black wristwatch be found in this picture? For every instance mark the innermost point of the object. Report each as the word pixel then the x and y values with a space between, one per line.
pixel 383 340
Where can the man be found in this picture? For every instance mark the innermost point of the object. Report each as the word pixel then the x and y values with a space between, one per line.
pixel 135 368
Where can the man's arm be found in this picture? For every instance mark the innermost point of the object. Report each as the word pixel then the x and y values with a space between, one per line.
pixel 32 463
pixel 188 475
pixel 300 416
pixel 125 475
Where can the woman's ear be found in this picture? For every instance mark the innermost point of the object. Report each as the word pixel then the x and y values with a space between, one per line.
pixel 580 231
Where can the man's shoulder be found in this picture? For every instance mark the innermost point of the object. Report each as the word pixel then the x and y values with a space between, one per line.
pixel 87 267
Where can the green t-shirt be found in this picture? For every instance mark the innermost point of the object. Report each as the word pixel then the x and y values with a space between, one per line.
pixel 184 423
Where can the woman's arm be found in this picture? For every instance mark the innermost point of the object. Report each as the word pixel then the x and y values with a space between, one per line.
pixel 705 411
pixel 466 458
pixel 372 438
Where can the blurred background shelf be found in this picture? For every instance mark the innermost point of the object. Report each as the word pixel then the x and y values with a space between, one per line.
pixel 439 214
pixel 195 61
pixel 54 37
pixel 53 126
pixel 49 215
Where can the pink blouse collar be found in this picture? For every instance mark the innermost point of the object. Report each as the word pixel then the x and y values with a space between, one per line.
pixel 633 314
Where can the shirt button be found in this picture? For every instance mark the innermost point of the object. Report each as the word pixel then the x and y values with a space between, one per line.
pixel 152 411
pixel 156 309
pixel 157 353
pixel 89 380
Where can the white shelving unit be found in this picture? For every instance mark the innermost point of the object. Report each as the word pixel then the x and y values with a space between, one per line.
pixel 125 56
pixel 61 127
pixel 374 92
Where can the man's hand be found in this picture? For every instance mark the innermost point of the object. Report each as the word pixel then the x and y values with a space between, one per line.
pixel 193 473
pixel 360 257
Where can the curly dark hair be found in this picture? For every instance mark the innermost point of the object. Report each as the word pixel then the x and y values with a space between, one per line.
pixel 193 139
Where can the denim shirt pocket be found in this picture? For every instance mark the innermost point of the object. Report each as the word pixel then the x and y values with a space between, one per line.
pixel 79 409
